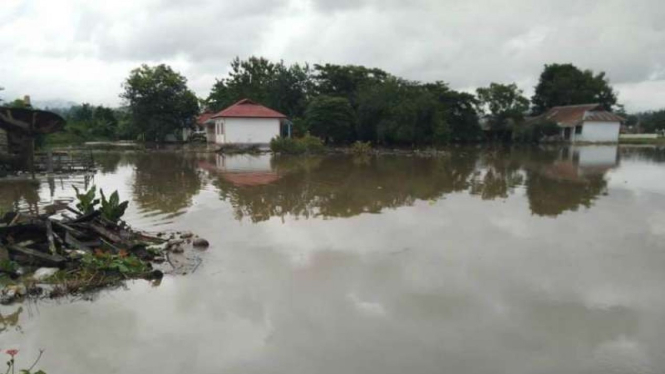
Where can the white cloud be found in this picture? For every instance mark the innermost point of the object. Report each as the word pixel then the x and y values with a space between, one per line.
pixel 81 50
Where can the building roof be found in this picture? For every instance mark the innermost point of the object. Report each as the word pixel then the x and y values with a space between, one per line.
pixel 248 109
pixel 573 115
pixel 30 120
pixel 203 118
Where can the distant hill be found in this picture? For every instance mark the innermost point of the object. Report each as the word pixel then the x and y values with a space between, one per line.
pixel 53 104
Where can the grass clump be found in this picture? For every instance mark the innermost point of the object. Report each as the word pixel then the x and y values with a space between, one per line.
pixel 361 148
pixel 296 146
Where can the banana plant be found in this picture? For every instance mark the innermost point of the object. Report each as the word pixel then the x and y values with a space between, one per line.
pixel 87 200
pixel 112 209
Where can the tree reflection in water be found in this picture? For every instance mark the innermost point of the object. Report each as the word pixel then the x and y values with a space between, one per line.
pixel 165 181
pixel 555 180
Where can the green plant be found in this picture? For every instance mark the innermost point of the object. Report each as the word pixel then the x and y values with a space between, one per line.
pixel 87 201
pixel 112 209
pixel 306 144
pixel 8 266
pixel 312 144
pixel 11 364
pixel 361 148
pixel 120 263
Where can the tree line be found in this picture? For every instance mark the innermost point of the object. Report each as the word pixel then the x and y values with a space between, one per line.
pixel 342 104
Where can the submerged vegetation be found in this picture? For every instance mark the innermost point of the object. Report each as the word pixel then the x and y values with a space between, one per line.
pixel 297 146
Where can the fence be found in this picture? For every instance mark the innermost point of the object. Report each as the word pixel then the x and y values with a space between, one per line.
pixel 68 161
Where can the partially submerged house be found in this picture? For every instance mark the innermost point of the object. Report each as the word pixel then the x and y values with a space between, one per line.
pixel 585 123
pixel 244 122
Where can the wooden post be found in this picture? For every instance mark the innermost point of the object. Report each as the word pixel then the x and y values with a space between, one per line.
pixel 49 162
pixel 32 157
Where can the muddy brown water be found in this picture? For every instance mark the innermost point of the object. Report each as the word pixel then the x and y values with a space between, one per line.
pixel 479 261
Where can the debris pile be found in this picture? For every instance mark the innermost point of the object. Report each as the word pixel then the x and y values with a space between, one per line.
pixel 49 256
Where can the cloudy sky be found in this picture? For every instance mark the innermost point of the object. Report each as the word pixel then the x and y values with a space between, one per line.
pixel 81 50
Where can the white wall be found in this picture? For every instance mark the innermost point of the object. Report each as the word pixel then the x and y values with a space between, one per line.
pixel 248 130
pixel 598 132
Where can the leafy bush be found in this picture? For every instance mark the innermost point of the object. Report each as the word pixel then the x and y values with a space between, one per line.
pixel 312 144
pixel 112 209
pixel 306 144
pixel 361 148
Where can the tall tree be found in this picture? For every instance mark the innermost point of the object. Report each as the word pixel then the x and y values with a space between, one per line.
pixel 565 84
pixel 331 118
pixel 346 80
pixel 503 103
pixel 276 85
pixel 159 101
pixel 459 113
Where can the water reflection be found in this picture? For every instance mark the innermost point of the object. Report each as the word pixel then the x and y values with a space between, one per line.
pixel 165 181
pixel 555 180
pixel 19 195
pixel 10 320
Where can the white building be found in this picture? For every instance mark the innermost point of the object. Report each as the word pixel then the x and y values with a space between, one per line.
pixel 585 123
pixel 244 122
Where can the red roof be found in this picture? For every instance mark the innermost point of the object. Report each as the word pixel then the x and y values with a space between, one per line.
pixel 248 109
pixel 572 115
pixel 203 118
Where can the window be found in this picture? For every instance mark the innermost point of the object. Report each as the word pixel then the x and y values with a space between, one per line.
pixel 578 130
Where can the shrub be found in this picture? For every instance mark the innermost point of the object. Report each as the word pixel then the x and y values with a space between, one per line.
pixel 361 148
pixel 306 144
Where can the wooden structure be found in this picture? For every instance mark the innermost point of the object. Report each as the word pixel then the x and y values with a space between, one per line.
pixel 18 129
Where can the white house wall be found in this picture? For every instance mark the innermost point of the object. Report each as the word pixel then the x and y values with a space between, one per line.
pixel 248 130
pixel 598 132
pixel 244 163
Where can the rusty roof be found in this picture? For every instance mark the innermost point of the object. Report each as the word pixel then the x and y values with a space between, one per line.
pixel 573 115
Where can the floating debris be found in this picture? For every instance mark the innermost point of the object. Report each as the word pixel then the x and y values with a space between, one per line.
pixel 43 255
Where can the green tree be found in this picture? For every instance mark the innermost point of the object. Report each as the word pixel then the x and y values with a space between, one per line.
pixel 565 84
pixel 459 116
pixel 18 103
pixel 503 103
pixel 331 118
pixel 346 80
pixel 159 101
pixel 652 121
pixel 276 85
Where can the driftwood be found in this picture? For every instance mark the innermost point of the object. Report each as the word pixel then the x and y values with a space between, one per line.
pixel 108 234
pixel 45 241
pixel 40 257
pixel 49 237
pixel 71 240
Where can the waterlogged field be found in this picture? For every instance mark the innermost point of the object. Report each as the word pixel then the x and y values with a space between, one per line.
pixel 477 261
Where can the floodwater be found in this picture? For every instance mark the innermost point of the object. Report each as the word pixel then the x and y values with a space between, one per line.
pixel 478 261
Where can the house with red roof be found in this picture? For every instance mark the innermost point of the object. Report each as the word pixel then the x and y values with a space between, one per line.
pixel 585 123
pixel 244 122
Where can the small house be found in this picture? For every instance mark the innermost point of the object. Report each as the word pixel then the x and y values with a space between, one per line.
pixel 585 123
pixel 244 122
